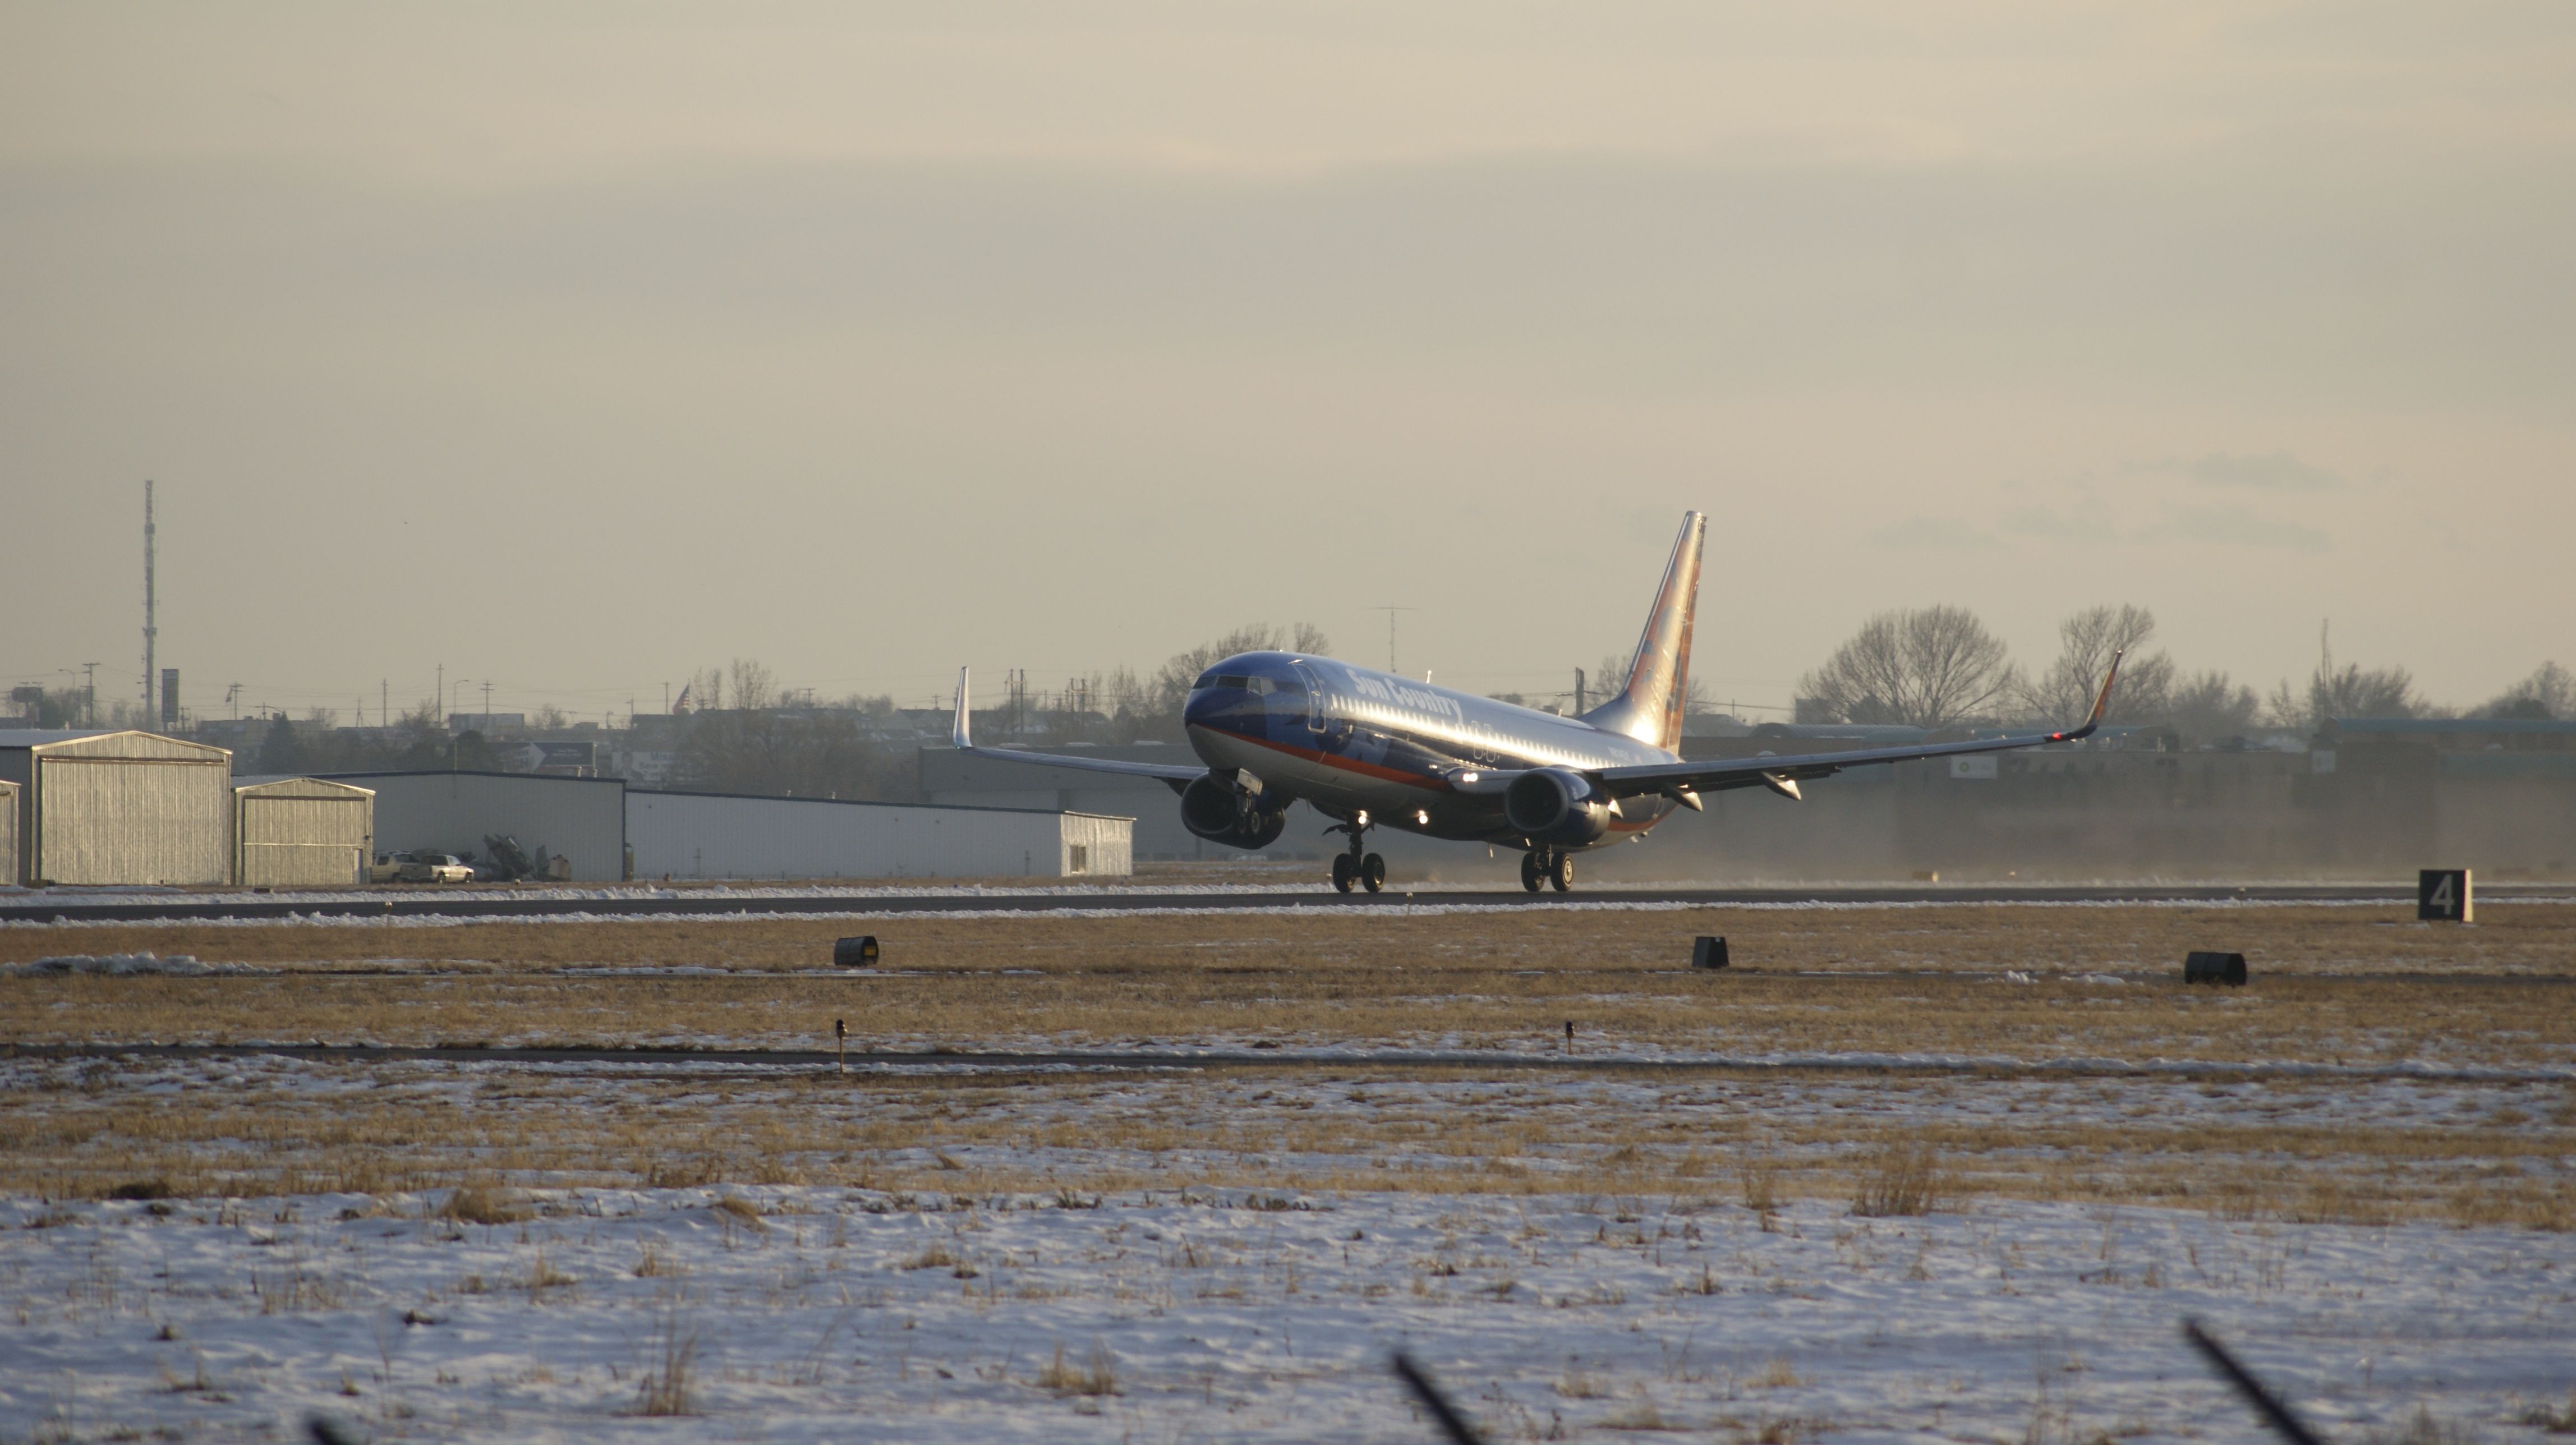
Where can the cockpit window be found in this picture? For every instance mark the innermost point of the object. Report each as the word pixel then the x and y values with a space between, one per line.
pixel 1254 684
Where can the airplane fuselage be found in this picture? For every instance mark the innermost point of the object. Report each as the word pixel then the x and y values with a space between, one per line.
pixel 1351 740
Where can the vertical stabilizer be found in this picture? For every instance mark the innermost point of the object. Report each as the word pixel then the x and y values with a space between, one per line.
pixel 1649 708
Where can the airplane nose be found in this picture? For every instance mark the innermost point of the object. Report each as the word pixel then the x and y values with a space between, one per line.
pixel 1203 707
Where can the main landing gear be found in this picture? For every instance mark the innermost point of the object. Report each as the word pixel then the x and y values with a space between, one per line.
pixel 1551 866
pixel 1358 865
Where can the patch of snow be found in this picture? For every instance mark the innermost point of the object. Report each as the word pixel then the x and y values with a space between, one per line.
pixel 118 965
pixel 846 1314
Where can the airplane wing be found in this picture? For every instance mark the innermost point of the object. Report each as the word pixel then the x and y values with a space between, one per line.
pixel 1782 774
pixel 1171 775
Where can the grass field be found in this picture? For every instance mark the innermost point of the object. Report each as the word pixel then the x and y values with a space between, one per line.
pixel 215 1246
pixel 2018 986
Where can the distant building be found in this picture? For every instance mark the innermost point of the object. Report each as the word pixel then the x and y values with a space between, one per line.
pixel 951 778
pixel 556 760
pixel 723 835
pixel 580 819
pixel 119 807
pixel 302 833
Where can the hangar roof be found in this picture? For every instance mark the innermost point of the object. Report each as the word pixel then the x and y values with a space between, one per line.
pixel 107 742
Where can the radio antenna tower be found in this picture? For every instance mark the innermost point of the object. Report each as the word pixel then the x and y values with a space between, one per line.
pixel 151 717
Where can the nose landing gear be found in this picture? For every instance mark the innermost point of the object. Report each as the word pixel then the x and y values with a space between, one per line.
pixel 1358 865
pixel 1551 866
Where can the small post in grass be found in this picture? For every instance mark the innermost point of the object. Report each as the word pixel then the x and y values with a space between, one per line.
pixel 1569 1036
pixel 840 1047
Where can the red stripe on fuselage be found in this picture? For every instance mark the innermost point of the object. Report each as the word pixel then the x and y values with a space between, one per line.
pixel 1348 765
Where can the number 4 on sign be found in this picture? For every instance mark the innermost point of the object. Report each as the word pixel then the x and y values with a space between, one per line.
pixel 2443 895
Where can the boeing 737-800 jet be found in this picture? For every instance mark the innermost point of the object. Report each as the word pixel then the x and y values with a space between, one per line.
pixel 1370 749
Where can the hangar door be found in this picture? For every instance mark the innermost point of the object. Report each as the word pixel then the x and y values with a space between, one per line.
pixel 135 818
pixel 302 833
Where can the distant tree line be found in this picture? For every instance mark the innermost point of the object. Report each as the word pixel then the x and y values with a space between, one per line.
pixel 1931 667
pixel 1939 667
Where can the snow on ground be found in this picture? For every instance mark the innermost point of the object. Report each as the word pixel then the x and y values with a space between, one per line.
pixel 124 965
pixel 844 1314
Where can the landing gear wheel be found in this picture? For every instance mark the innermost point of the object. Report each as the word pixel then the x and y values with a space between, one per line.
pixel 1343 873
pixel 1533 871
pixel 1373 872
pixel 1561 876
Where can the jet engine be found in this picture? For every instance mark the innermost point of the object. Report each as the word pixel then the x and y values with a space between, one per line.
pixel 1225 814
pixel 1557 806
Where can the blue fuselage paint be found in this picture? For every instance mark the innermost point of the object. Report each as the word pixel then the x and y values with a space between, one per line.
pixel 1351 739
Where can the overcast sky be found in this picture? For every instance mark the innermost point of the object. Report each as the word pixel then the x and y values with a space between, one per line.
pixel 578 346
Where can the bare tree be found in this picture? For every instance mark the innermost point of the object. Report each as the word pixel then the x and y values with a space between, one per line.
pixel 769 752
pixel 1172 681
pixel 1604 684
pixel 2348 691
pixel 2210 705
pixel 2087 641
pixel 704 691
pixel 1927 667
pixel 2550 692
pixel 755 687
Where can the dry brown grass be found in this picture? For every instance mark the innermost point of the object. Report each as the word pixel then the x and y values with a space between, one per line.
pixel 479 1201
pixel 1903 1179
pixel 1486 979
pixel 1096 1375
pixel 670 1379
pixel 2326 983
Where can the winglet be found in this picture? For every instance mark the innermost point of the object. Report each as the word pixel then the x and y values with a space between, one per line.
pixel 2101 704
pixel 957 734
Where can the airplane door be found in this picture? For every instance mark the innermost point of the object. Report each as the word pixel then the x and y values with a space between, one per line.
pixel 1314 697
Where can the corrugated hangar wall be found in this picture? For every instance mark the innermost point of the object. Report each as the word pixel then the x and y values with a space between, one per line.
pixel 8 832
pixel 119 807
pixel 712 835
pixel 583 819
pixel 302 832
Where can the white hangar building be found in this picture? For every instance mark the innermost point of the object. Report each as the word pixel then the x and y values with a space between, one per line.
pixel 722 835
pixel 302 833
pixel 109 807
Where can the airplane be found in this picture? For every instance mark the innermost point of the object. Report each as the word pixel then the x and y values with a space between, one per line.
pixel 1371 749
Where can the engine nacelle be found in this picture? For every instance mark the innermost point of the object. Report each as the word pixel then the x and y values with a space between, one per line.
pixel 1557 806
pixel 1224 814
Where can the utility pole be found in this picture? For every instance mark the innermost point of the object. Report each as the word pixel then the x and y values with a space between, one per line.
pixel 487 702
pixel 150 632
pixel 442 690
pixel 384 702
pixel 89 696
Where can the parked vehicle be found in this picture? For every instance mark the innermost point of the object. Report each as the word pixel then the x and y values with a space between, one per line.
pixel 418 869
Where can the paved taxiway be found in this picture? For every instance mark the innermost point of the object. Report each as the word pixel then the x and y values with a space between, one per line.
pixel 610 902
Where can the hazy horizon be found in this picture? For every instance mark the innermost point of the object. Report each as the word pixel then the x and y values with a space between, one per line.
pixel 576 348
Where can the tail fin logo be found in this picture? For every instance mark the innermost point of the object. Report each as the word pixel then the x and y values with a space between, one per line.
pixel 1649 708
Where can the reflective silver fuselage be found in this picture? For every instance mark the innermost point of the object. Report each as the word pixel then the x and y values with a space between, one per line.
pixel 1352 739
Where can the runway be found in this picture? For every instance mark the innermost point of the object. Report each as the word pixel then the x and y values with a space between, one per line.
pixel 611 902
